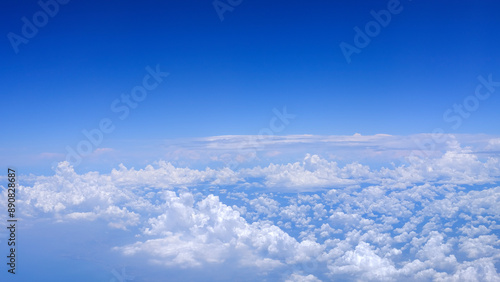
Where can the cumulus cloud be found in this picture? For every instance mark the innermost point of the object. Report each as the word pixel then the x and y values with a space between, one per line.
pixel 296 277
pixel 379 148
pixel 363 262
pixel 432 218
pixel 458 166
pixel 212 232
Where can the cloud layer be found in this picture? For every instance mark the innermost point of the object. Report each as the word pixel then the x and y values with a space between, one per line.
pixel 431 218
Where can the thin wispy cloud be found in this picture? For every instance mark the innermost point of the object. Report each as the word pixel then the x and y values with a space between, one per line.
pixel 235 140
pixel 311 220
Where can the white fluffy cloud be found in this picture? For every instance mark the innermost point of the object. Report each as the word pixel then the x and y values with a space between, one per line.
pixel 212 232
pixel 296 277
pixel 433 218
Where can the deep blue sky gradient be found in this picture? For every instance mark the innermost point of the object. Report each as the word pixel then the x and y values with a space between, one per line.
pixel 226 77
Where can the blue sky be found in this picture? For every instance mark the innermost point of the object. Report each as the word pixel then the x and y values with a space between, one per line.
pixel 350 184
pixel 225 77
